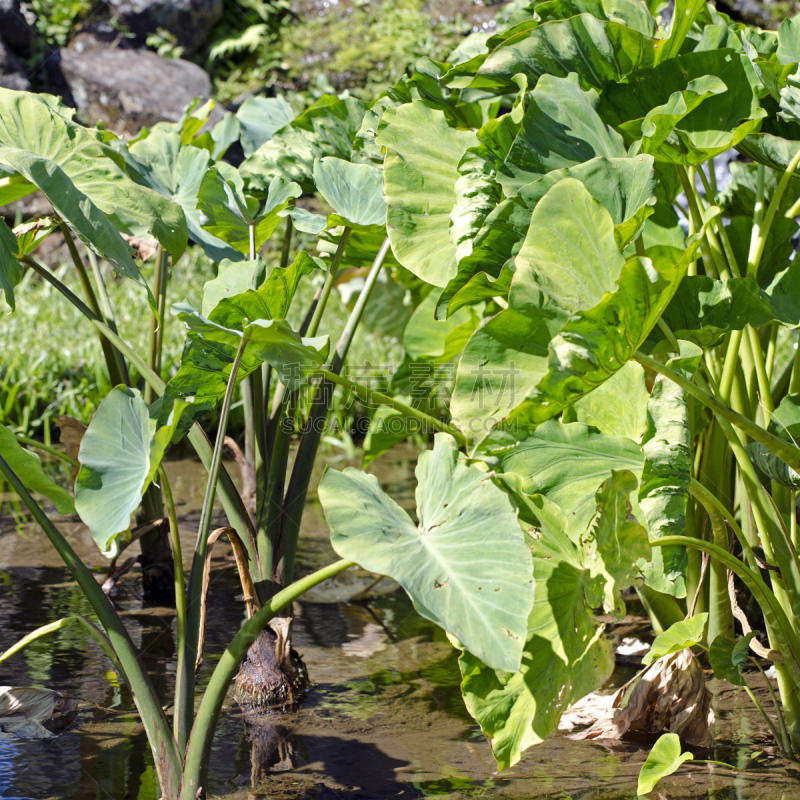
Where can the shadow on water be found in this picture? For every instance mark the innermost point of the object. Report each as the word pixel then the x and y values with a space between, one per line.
pixel 383 719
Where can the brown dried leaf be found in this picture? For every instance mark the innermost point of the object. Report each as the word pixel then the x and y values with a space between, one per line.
pixel 671 696
pixel 145 248
pixel 23 709
pixel 72 431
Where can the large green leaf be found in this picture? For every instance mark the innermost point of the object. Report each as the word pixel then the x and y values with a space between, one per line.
pixel 115 462
pixel 560 128
pixel 618 407
pixel 625 187
pixel 420 174
pixel 598 51
pixel 354 191
pixel 229 215
pixel 51 152
pixel 28 469
pixel 233 277
pixel 567 464
pixel 260 118
pixel 679 636
pixel 687 109
pixel 566 654
pixel 257 314
pixel 163 163
pixel 10 268
pixel 328 128
pixel 465 565
pixel 425 337
pixel 684 14
pixel 631 13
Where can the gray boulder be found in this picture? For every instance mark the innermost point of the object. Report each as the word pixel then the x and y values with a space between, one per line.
pixel 12 73
pixel 13 27
pixel 125 89
pixel 189 21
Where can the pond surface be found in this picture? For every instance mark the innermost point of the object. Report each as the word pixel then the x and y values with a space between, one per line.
pixel 383 718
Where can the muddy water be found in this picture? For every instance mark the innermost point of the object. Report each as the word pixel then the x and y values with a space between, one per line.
pixel 383 719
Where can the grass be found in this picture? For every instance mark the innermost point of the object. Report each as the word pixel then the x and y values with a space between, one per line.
pixel 54 364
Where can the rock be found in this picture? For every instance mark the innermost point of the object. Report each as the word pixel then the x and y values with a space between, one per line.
pixel 189 21
pixel 15 29
pixel 124 89
pixel 12 73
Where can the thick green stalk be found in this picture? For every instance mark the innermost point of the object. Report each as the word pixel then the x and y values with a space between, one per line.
pixel 784 450
pixel 112 364
pixel 229 495
pixel 160 281
pixel 287 243
pixel 378 397
pixel 307 451
pixel 197 756
pixel 165 752
pixel 185 700
pixel 181 724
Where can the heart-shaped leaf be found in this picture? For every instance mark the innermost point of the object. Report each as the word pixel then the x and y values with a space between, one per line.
pixel 354 191
pixel 683 634
pixel 728 658
pixel 465 565
pixel 664 759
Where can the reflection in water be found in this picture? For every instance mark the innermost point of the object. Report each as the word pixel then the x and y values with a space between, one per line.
pixel 383 717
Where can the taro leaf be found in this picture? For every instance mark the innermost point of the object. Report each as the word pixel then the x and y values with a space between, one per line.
pixel 618 407
pixel 163 164
pixel 566 464
pixel 687 109
pixel 304 220
pixel 420 174
pixel 210 350
pixel 328 128
pixel 598 51
pixel 28 469
pixel 683 634
pixel 69 163
pixel 625 187
pixel 227 214
pixel 260 118
pixel 13 186
pixel 425 337
pixel 728 659
pixel 664 759
pixel 664 490
pixel 785 420
pixel 704 310
pixel 566 655
pixel 466 566
pixel 738 199
pixel 788 51
pixel 595 343
pixel 115 462
pixel 232 278
pixel 218 140
pixel 632 13
pixel 354 191
pixel 684 13
pixel 10 268
pixel 560 128
pixel 773 467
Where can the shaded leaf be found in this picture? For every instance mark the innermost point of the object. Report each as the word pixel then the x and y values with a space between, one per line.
pixel 728 659
pixel 260 118
pixel 10 268
pixel 28 469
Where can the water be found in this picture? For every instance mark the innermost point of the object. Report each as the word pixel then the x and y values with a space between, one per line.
pixel 383 719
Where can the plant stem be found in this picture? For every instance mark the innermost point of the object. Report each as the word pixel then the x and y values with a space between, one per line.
pixel 46 448
pixel 785 451
pixel 184 702
pixel 181 725
pixel 160 280
pixel 105 305
pixel 197 756
pixel 297 489
pixel 287 243
pixel 784 739
pixel 114 372
pixel 384 399
pixel 162 742
pixel 330 280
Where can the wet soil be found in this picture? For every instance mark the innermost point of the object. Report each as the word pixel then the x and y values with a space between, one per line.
pixel 383 718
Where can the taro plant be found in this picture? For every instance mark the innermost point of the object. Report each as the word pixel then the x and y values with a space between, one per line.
pixel 623 324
